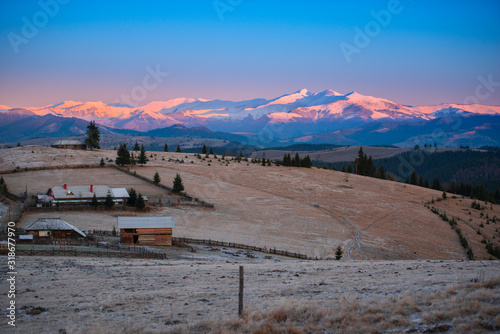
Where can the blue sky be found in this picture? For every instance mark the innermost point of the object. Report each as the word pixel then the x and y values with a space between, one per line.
pixel 428 52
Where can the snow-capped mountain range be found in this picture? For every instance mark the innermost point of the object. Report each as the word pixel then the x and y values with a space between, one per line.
pixel 291 115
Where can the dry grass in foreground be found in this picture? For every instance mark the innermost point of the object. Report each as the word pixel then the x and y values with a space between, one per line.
pixel 470 308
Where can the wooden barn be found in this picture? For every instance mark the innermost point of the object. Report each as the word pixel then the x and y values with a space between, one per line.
pixel 69 144
pixel 49 229
pixel 146 230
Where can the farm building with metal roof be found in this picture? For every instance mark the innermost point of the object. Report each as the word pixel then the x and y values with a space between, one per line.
pixel 53 229
pixel 67 194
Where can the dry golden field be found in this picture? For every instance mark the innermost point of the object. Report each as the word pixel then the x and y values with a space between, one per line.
pixel 403 269
pixel 311 211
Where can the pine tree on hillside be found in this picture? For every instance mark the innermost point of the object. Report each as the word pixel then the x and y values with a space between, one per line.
pixel 165 148
pixel 306 162
pixel 156 178
pixel 426 183
pixel 178 185
pixel 93 136
pixel 109 202
pixel 178 150
pixel 123 156
pixel 414 178
pixel 338 253
pixel 263 162
pixel 139 203
pixel 136 146
pixel 131 200
pixel 381 172
pixel 143 159
pixel 211 151
pixel 94 202
pixel 436 184
pixel 3 186
pixel 204 149
pixel 296 160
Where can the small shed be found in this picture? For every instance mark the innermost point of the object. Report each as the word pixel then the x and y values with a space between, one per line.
pixel 146 230
pixel 49 229
pixel 69 144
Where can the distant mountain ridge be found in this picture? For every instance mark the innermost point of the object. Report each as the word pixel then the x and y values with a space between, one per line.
pixel 300 116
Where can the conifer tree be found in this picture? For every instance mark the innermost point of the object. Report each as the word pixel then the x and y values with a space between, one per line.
pixel 381 172
pixel 414 178
pixel 123 156
pixel 263 162
pixel 436 184
pixel 165 148
pixel 132 199
pixel 426 183
pixel 93 136
pixel 178 185
pixel 139 203
pixel 136 146
pixel 297 160
pixel 338 253
pixel 156 178
pixel 178 150
pixel 143 159
pixel 109 202
pixel 204 149
pixel 95 202
pixel 211 151
pixel 3 186
pixel 102 163
pixel 349 168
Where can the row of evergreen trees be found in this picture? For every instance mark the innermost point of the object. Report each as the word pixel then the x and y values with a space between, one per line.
pixel 124 157
pixel 296 161
pixel 477 191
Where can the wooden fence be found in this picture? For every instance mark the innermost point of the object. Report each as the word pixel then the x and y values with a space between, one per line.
pixel 241 246
pixel 96 250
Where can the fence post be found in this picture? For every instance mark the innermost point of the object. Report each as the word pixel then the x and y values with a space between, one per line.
pixel 240 295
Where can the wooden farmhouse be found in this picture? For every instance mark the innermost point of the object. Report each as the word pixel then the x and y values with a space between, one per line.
pixel 146 230
pixel 49 229
pixel 67 194
pixel 69 144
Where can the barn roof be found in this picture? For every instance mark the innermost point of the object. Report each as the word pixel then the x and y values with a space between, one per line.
pixel 77 192
pixel 68 142
pixel 146 222
pixel 52 224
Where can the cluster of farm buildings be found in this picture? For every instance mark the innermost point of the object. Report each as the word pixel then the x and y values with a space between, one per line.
pixel 133 230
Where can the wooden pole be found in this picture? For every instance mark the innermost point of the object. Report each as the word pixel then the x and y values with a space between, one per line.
pixel 240 296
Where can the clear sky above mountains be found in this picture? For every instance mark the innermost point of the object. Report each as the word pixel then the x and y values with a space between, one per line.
pixel 411 52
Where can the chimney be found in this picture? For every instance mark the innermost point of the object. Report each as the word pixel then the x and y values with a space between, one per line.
pixel 91 188
pixel 65 186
